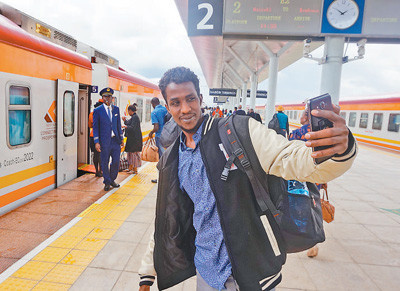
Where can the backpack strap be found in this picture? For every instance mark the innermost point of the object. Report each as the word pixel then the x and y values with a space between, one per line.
pixel 235 150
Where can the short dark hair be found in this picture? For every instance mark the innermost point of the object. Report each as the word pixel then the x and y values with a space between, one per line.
pixel 178 75
pixel 132 107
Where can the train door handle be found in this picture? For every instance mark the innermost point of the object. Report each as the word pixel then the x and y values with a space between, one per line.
pixel 82 101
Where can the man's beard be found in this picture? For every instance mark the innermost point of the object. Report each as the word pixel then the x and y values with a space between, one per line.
pixel 195 128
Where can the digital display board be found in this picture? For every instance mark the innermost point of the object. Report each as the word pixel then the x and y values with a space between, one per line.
pixel 381 18
pixel 273 17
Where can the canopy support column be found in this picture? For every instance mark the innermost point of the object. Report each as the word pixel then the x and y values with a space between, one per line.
pixel 332 68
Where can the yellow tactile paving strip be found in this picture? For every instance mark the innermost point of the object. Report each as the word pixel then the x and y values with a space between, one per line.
pixel 59 265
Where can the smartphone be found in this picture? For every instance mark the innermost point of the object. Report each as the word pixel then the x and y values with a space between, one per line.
pixel 323 102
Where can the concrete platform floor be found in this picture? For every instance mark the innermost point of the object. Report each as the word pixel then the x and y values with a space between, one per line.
pixel 361 252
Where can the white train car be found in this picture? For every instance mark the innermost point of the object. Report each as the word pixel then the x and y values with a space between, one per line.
pixel 374 120
pixel 45 99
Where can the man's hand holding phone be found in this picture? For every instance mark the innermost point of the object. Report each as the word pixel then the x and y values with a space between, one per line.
pixel 335 137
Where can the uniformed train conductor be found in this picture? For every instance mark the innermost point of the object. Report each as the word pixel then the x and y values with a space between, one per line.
pixel 108 137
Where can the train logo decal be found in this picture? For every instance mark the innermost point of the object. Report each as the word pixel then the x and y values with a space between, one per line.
pixel 51 113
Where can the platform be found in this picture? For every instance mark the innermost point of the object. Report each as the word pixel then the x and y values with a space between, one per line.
pixel 101 248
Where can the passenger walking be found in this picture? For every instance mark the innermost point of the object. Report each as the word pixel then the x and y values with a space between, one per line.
pixel 213 227
pixel 218 113
pixel 96 154
pixel 108 137
pixel 157 119
pixel 240 111
pixel 283 121
pixel 134 141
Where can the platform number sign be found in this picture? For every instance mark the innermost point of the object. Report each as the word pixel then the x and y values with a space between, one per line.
pixel 205 17
pixel 94 89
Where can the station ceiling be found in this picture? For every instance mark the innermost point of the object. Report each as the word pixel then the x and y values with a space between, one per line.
pixel 213 52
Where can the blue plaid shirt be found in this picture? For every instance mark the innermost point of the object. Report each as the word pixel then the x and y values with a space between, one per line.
pixel 211 258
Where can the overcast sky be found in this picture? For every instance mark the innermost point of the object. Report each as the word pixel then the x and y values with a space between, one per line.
pixel 148 37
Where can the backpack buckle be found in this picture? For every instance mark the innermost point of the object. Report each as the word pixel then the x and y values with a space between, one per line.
pixel 225 173
pixel 242 158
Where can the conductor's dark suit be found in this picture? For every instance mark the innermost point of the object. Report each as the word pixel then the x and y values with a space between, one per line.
pixel 103 128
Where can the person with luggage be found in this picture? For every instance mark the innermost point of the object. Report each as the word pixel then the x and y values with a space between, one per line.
pixel 300 134
pixel 134 141
pixel 212 227
pixel 96 154
pixel 283 121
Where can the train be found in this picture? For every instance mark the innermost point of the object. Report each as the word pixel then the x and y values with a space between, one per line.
pixel 49 83
pixel 373 120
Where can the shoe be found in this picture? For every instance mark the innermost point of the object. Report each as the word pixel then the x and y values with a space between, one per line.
pixel 115 185
pixel 313 252
pixel 107 187
pixel 154 181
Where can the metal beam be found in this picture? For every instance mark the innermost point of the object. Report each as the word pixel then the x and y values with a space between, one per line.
pixel 236 56
pixel 229 66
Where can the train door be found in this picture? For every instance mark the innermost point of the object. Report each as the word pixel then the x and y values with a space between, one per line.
pixel 67 131
pixel 83 115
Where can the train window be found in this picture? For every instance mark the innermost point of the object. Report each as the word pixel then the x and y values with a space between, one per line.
pixel 343 115
pixel 377 121
pixel 394 122
pixel 139 108
pixel 352 119
pixel 148 111
pixel 69 113
pixel 295 114
pixel 19 116
pixel 364 120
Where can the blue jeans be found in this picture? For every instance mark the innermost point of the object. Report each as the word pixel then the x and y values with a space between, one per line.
pixel 160 147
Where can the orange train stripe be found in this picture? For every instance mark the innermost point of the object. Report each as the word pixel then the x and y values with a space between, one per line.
pixel 26 63
pixel 377 138
pixel 26 174
pixel 379 144
pixel 27 190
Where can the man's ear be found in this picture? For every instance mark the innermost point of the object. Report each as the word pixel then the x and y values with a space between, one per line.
pixel 166 106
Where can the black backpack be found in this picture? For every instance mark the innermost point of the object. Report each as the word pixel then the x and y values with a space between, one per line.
pixel 297 210
pixel 274 124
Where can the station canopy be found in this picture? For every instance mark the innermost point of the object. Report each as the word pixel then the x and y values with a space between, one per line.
pixel 214 52
pixel 222 30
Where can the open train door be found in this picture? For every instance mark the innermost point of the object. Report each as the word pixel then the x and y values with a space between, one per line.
pixel 67 131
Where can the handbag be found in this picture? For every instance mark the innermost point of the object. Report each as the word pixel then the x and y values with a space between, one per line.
pixel 150 151
pixel 123 162
pixel 328 210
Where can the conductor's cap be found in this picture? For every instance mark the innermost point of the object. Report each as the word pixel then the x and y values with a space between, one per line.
pixel 107 91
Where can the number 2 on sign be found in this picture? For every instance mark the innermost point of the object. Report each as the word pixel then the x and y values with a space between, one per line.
pixel 237 5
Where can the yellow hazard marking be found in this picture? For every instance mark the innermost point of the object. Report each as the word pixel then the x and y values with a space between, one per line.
pixel 59 265
pixel 66 242
pixel 102 233
pixel 17 284
pixel 65 274
pixel 52 255
pixel 79 257
pixel 46 286
pixel 34 270
pixel 91 244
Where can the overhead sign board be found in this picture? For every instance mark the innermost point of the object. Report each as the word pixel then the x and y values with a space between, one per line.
pixel 292 19
pixel 273 17
pixel 205 17
pixel 220 99
pixel 223 92
pixel 259 94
